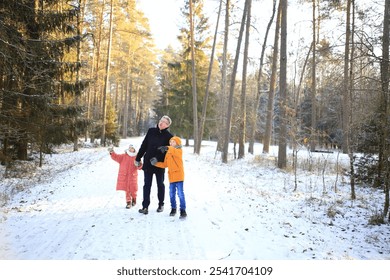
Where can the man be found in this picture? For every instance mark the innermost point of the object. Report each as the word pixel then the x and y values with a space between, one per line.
pixel 155 138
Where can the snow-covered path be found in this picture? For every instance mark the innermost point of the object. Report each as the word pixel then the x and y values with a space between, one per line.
pixel 81 216
pixel 235 211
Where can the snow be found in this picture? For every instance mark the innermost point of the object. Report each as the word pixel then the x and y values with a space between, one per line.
pixel 246 209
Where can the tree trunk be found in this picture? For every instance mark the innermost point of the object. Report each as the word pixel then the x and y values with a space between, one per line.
pixel 78 54
pixel 384 110
pixel 95 98
pixel 125 123
pixel 106 80
pixel 313 137
pixel 194 92
pixel 346 106
pixel 242 130
pixel 297 97
pixel 220 144
pixel 257 102
pixel 271 93
pixel 282 154
pixel 206 97
pixel 350 84
pixel 232 85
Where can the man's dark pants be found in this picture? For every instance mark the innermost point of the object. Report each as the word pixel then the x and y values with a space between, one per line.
pixel 148 179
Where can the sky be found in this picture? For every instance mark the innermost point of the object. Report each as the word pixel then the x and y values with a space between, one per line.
pixel 243 213
pixel 164 18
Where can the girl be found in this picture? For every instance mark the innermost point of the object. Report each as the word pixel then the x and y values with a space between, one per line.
pixel 128 174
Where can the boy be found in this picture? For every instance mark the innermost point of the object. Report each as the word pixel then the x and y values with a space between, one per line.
pixel 174 161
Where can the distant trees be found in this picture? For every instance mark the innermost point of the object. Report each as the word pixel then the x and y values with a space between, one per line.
pixel 131 84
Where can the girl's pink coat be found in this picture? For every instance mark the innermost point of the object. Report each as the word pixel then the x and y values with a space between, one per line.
pixel 128 173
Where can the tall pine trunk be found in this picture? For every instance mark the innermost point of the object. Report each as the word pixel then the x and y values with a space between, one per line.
pixel 193 81
pixel 95 98
pixel 282 153
pixel 346 107
pixel 220 144
pixel 106 79
pixel 231 91
pixel 206 96
pixel 242 130
pixel 384 122
pixel 271 93
pixel 259 88
pixel 350 84
pixel 313 130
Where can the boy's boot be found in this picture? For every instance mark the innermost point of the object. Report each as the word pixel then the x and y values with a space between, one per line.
pixel 183 214
pixel 173 212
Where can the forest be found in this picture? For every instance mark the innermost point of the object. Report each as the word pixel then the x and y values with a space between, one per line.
pixel 89 69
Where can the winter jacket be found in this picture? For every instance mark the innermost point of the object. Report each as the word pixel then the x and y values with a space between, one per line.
pixel 154 138
pixel 174 162
pixel 128 173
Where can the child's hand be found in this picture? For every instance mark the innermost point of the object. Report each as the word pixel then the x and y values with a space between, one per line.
pixel 153 161
pixel 137 163
pixel 163 149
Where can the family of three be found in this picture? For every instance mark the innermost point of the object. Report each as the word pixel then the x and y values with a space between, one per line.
pixel 159 150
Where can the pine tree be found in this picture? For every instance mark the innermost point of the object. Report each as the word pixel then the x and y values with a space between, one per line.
pixel 39 84
pixel 176 78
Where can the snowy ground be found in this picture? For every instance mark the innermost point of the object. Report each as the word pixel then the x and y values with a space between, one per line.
pixel 244 210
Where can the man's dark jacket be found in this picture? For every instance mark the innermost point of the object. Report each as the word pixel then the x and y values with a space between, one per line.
pixel 154 138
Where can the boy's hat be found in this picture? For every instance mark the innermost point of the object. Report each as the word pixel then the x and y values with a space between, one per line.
pixel 177 140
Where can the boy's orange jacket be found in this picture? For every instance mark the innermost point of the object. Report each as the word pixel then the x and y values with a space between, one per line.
pixel 174 162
